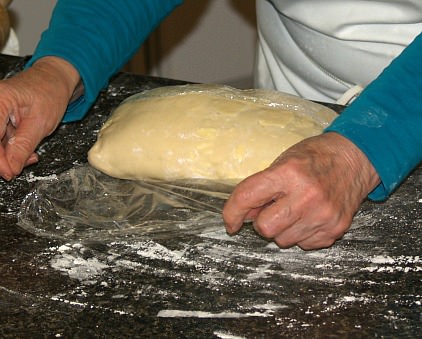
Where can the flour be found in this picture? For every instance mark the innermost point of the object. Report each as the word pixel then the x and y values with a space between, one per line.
pixel 315 278
pixel 59 298
pixel 201 314
pixel 219 250
pixel 153 250
pixel 349 301
pixel 195 270
pixel 389 264
pixel 226 335
pixel 30 177
pixel 69 260
pixel 77 268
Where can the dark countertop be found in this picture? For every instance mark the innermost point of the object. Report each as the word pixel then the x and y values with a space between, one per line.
pixel 203 285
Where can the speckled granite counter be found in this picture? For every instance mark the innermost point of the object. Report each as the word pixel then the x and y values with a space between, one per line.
pixel 203 285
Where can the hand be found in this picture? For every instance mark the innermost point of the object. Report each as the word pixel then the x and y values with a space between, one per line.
pixel 308 196
pixel 32 104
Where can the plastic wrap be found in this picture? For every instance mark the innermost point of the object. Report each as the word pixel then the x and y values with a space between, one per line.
pixel 319 113
pixel 203 131
pixel 83 204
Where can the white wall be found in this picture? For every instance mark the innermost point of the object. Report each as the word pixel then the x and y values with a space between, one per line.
pixel 201 41
pixel 215 42
pixel 29 19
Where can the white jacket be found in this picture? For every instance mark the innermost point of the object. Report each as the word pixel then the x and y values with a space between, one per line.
pixel 319 49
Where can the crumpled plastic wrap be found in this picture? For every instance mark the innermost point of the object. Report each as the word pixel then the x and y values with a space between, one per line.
pixel 84 204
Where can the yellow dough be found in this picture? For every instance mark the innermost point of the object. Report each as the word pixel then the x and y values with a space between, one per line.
pixel 209 132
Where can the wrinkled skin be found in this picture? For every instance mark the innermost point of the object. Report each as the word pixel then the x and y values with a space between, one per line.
pixel 32 104
pixel 308 196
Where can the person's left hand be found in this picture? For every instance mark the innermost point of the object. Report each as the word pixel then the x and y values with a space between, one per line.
pixel 308 196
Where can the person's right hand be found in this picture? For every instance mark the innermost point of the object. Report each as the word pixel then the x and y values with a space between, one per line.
pixel 308 196
pixel 32 104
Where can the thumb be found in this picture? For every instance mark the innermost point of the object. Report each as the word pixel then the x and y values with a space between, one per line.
pixel 20 147
pixel 248 198
pixel 5 170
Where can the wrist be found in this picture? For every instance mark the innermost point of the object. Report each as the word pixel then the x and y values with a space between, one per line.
pixel 357 162
pixel 65 73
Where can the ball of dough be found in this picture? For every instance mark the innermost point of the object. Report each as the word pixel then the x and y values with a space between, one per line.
pixel 209 132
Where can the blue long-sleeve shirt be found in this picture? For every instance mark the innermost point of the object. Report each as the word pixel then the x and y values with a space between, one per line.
pixel 385 121
pixel 99 36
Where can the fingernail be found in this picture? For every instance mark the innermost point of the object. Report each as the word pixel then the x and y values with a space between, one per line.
pixel 228 228
pixel 231 229
pixel 7 177
pixel 33 158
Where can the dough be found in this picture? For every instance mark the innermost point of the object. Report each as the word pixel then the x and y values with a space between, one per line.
pixel 215 133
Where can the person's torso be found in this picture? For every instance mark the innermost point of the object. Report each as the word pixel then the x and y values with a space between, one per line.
pixel 349 40
pixel 356 19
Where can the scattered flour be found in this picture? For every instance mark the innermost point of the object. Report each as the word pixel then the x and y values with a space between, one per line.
pixel 202 314
pixel 78 268
pixel 32 178
pixel 215 261
pixel 389 264
pixel 69 260
pixel 87 305
pixel 226 335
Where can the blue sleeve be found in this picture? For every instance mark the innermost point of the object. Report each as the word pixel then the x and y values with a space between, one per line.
pixel 98 37
pixel 385 121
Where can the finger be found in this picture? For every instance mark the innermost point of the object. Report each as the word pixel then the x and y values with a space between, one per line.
pixel 328 232
pixel 4 122
pixel 33 159
pixel 308 235
pixel 276 218
pixel 295 234
pixel 7 134
pixel 254 212
pixel 317 241
pixel 21 146
pixel 5 170
pixel 252 193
